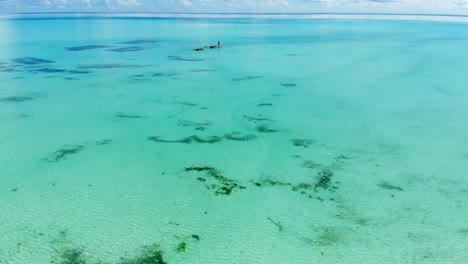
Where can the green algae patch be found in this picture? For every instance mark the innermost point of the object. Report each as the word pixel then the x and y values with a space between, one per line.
pixel 188 140
pixel 328 236
pixel 236 136
pixel 182 246
pixel 72 256
pixel 255 119
pixel 302 142
pixel 149 255
pixel 215 180
pixel 388 186
pixel 196 125
pixel 128 116
pixel 324 179
pixel 17 99
pixel 278 224
pixel 64 152
pixel 263 128
pixel 103 142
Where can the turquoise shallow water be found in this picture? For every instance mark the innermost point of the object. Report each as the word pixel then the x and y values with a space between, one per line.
pixel 299 141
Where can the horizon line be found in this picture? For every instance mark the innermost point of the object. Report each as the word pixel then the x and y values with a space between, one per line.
pixel 434 17
pixel 245 13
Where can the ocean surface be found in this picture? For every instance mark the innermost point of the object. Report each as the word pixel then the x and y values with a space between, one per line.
pixel 298 141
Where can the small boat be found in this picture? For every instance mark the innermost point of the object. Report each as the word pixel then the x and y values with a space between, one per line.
pixel 211 47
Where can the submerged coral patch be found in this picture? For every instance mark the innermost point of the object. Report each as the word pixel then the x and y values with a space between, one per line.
pixel 246 78
pixel 88 47
pixel 263 128
pixel 327 236
pixel 47 70
pixel 72 256
pixel 8 69
pixel 162 74
pixel 179 58
pixel 302 142
pixel 234 136
pixel 127 49
pixel 183 244
pixel 264 104
pixel 64 152
pixel 324 179
pixel 103 142
pixel 78 72
pixel 256 119
pixel 17 99
pixel 197 125
pixel 186 103
pixel 237 136
pixel 140 41
pixel 288 84
pixel 129 116
pixel 188 140
pixel 31 61
pixel 203 70
pixel 216 180
pixel 107 66
pixel 149 255
pixel 388 186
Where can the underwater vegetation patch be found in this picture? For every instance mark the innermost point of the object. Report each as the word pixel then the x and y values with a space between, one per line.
pixel 215 180
pixel 256 119
pixel 202 70
pixel 179 58
pixel 47 70
pixel 162 74
pixel 149 255
pixel 72 256
pixel 103 142
pixel 64 152
pixel 288 84
pixel 324 179
pixel 127 49
pixel 246 78
pixel 31 61
pixel 188 140
pixel 183 244
pixel 237 136
pixel 234 136
pixel 264 104
pixel 17 99
pixel 278 224
pixel 129 116
pixel 88 47
pixel 79 72
pixel 328 236
pixel 198 125
pixel 8 69
pixel 186 103
pixel 388 186
pixel 302 142
pixel 264 128
pixel 108 66
pixel 310 164
pixel 140 41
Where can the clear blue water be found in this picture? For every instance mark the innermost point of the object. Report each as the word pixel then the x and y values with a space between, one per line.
pixel 298 141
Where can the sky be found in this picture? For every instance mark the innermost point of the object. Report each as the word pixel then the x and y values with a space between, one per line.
pixel 239 6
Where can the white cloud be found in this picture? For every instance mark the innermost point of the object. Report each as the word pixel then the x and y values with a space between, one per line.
pixel 186 2
pixel 304 6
